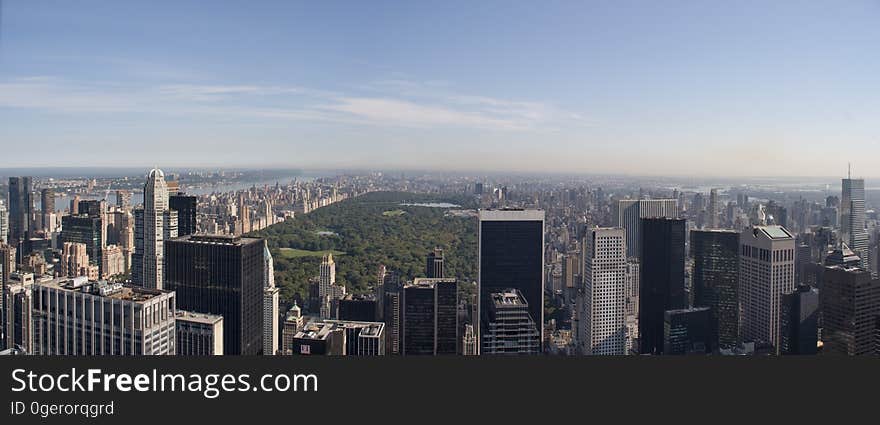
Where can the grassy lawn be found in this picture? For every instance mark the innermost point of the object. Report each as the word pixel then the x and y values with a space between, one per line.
pixel 394 213
pixel 297 253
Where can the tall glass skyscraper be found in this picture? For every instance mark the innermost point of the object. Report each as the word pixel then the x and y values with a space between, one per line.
pixel 221 275
pixel 852 218
pixel 511 253
pixel 21 209
pixel 716 281
pixel 430 317
pixel 631 211
pixel 662 278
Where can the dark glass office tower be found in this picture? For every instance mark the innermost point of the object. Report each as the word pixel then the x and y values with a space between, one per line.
pixel 434 266
pixel 47 207
pixel 418 320
pixel 358 308
pixel 21 210
pixel 512 257
pixel 687 331
pixel 716 281
pixel 661 276
pixel 91 208
pixel 86 230
pixel 430 317
pixel 798 320
pixel 220 275
pixel 850 302
pixel 47 200
pixel 185 206
pixel 446 334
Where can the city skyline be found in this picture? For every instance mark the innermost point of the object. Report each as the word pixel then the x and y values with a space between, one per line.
pixel 622 88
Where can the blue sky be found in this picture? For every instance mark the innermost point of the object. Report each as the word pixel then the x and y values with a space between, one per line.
pixel 631 87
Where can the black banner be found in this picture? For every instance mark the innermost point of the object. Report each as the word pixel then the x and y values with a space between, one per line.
pixel 406 389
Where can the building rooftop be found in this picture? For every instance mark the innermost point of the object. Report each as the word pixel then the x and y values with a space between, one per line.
pixel 321 329
pixel 368 329
pixel 774 232
pixel 205 318
pixel 316 330
pixel 508 298
pixel 428 282
pixel 103 288
pixel 203 238
pixel 511 214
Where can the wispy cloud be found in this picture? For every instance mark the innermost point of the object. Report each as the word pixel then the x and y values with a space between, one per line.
pixel 388 103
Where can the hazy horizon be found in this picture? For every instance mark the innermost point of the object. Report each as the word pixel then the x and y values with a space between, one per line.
pixel 642 89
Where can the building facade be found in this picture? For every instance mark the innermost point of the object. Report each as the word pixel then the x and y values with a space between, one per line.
pixel 631 211
pixel 86 318
pixel 766 273
pixel 430 317
pixel 715 281
pixel 852 218
pixel 150 233
pixel 271 295
pixel 198 334
pixel 510 329
pixel 661 274
pixel 511 256
pixel 799 322
pixel 687 331
pixel 603 327
pixel 221 275
pixel 850 302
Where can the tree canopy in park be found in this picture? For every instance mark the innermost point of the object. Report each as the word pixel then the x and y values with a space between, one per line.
pixel 369 230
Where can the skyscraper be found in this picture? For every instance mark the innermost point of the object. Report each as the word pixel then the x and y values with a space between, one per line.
pixel 661 273
pixel 123 199
pixel 631 211
pixel 4 223
pixel 20 210
pixel 221 275
pixel 716 281
pixel 270 304
pixel 392 312
pixel 149 257
pixel 358 308
pixel 799 321
pixel 186 207
pixel 509 328
pixel 687 331
pixel 86 230
pixel 434 266
pixel 712 210
pixel 766 272
pixel 327 276
pixel 603 330
pixel 430 317
pixel 47 208
pixel 852 218
pixel 850 303
pixel 511 256
pixel 65 322
pixel 18 315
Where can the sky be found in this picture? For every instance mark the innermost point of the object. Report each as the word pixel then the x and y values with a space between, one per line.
pixel 714 88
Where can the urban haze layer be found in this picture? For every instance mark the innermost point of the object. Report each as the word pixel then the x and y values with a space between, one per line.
pixel 285 262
